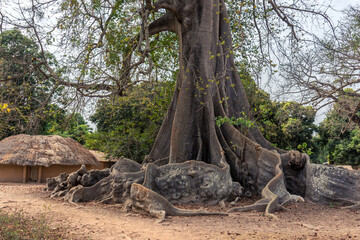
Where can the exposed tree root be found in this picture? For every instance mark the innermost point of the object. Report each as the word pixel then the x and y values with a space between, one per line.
pixel 274 193
pixel 353 207
pixel 332 185
pixel 157 206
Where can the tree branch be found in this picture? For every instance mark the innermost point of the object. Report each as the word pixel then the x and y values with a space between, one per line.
pixel 283 17
pixel 257 29
pixel 170 5
pixel 354 117
pixel 167 22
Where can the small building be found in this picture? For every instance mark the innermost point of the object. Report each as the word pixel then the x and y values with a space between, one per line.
pixel 34 158
pixel 104 161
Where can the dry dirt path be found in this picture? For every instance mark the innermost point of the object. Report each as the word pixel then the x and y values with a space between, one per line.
pixel 96 221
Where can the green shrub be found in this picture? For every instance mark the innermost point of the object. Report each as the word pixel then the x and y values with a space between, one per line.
pixel 128 125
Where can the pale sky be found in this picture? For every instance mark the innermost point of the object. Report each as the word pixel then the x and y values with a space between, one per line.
pixel 341 5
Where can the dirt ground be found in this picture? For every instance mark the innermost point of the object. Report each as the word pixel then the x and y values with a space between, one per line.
pixel 98 221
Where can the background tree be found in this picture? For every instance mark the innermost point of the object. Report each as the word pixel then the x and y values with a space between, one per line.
pixel 27 93
pixel 322 75
pixel 24 88
pixel 338 137
pixel 65 124
pixel 3 113
pixel 287 125
pixel 127 125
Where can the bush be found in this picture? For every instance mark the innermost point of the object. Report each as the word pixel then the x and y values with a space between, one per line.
pixel 127 126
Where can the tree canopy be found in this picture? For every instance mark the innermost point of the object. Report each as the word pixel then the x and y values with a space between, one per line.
pixel 25 90
pixel 338 137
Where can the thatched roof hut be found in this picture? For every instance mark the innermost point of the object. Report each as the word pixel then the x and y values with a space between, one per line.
pixel 26 150
pixel 54 154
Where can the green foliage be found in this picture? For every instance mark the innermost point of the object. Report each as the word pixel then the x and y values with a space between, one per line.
pixel 338 139
pixel 105 44
pixel 72 125
pixel 26 93
pixel 347 151
pixel 305 149
pixel 23 87
pixel 244 122
pixel 127 126
pixel 287 125
pixel 290 124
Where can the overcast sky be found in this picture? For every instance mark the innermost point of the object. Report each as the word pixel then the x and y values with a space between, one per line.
pixel 341 5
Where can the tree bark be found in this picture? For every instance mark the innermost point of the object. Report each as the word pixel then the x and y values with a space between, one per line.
pixel 208 86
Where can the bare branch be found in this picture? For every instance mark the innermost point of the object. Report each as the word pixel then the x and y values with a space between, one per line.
pixel 283 17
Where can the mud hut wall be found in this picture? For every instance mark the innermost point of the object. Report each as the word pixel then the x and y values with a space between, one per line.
pixel 56 170
pixel 103 165
pixel 11 173
pixel 14 173
pixel 92 167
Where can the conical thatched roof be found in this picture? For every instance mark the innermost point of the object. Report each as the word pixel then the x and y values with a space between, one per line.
pixel 25 150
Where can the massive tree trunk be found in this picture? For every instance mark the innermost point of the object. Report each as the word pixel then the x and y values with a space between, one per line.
pixel 208 86
pixel 222 157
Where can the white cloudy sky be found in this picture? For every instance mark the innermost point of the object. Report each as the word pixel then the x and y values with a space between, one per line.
pixel 341 5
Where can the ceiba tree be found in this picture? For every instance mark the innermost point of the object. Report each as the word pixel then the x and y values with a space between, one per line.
pixel 208 86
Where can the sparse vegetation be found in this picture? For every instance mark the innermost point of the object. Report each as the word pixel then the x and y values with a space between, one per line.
pixel 16 225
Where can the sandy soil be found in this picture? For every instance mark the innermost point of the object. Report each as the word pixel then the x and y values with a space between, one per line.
pixel 97 221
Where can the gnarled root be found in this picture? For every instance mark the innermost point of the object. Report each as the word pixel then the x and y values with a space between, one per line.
pixel 274 194
pixel 144 199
